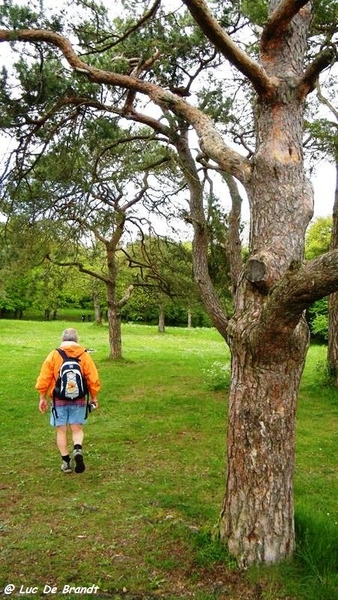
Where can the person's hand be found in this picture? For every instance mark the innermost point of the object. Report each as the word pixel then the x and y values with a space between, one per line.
pixel 43 405
pixel 95 401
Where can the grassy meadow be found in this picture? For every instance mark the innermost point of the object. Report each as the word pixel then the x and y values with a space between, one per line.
pixel 139 523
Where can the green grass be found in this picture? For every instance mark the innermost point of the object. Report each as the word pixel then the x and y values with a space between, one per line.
pixel 140 522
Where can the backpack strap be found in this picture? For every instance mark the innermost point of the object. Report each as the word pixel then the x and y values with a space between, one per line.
pixel 62 353
pixel 64 356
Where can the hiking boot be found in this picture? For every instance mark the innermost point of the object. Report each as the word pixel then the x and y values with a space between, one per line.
pixel 66 467
pixel 79 463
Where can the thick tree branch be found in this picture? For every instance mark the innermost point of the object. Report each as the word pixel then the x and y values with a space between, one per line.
pixel 210 299
pixel 300 288
pixel 126 296
pixel 322 61
pixel 234 239
pixel 280 18
pixel 264 85
pixel 211 141
pixel 80 267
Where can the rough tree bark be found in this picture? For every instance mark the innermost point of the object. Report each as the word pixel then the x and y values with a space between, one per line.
pixel 114 305
pixel 267 364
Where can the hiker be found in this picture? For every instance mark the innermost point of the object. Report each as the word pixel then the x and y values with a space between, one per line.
pixel 69 412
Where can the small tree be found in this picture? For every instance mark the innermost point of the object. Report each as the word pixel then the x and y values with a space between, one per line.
pixel 164 273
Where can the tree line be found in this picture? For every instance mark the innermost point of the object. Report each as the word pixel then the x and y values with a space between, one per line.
pixel 35 285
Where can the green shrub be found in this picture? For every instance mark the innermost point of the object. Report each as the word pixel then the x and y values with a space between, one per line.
pixel 217 377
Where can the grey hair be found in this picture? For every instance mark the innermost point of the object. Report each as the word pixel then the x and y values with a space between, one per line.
pixel 70 335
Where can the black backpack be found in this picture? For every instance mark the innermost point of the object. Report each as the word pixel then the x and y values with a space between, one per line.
pixel 71 384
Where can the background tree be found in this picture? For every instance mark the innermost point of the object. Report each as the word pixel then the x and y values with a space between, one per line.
pixel 22 250
pixel 90 185
pixel 329 137
pixel 323 139
pixel 317 242
pixel 165 276
pixel 267 333
pixel 28 281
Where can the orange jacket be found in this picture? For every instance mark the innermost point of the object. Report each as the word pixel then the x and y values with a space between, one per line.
pixel 50 369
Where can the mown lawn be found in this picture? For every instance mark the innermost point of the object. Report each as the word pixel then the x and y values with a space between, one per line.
pixel 139 522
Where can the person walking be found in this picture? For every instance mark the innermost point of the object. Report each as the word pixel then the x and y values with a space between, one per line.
pixel 66 414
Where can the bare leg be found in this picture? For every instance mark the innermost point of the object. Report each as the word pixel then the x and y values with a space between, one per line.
pixel 77 434
pixel 61 439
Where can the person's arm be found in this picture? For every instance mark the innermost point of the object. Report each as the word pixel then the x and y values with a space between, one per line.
pixel 43 403
pixel 45 381
pixel 92 379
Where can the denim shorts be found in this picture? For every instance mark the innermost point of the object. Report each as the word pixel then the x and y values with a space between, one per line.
pixel 70 414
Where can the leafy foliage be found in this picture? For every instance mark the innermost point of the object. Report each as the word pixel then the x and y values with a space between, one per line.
pixel 317 242
pixel 318 237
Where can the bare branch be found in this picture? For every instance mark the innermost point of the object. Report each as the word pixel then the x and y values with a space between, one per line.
pixel 137 196
pixel 263 84
pixel 147 15
pixel 322 61
pixel 325 101
pixel 200 245
pixel 80 267
pixel 234 246
pixel 126 297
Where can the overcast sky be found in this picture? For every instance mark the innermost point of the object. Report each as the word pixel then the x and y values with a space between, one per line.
pixel 324 183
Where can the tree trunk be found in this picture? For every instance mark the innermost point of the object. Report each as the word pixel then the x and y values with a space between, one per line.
pixel 189 318
pixel 114 328
pixel 97 308
pixel 257 517
pixel 114 319
pixel 161 320
pixel 268 348
pixel 332 351
pixel 202 277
